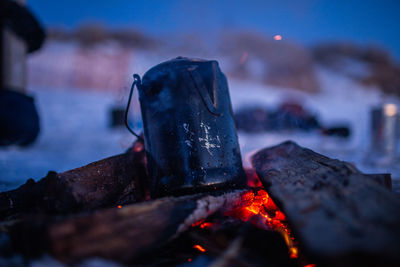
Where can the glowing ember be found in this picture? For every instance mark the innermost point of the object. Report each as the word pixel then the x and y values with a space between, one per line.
pixel 138 146
pixel 197 223
pixel 259 203
pixel 294 252
pixel 280 216
pixel 254 204
pixel 199 248
pixel 119 206
pixel 277 37
pixel 205 225
pixel 252 178
pixel 202 224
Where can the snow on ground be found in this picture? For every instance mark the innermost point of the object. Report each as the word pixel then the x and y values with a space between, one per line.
pixel 74 132
pixel 75 124
pixel 341 100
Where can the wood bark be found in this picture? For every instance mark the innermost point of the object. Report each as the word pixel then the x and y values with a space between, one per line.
pixel 120 178
pixel 120 233
pixel 340 216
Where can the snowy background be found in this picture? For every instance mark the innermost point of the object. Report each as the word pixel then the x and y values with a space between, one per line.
pixel 338 59
pixel 75 89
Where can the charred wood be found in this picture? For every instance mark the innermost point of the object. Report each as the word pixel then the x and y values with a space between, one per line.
pixel 227 242
pixel 382 179
pixel 340 216
pixel 121 233
pixel 99 184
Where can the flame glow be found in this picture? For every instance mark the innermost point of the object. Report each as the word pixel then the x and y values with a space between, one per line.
pixel 197 223
pixel 205 225
pixel 259 203
pixel 138 146
pixel 199 248
pixel 257 206
pixel 202 224
pixel 252 178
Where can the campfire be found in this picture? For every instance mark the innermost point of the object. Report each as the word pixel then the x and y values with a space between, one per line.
pixel 262 209
pixel 180 195
pixel 317 214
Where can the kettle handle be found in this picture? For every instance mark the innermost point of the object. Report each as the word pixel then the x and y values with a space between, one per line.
pixel 136 81
pixel 202 89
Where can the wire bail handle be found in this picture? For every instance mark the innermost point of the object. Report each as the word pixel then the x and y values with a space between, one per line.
pixel 136 81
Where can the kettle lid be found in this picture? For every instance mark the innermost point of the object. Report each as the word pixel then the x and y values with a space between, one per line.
pixel 177 62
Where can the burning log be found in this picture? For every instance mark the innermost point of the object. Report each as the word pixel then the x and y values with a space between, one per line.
pixel 340 216
pixel 227 242
pixel 100 184
pixel 333 211
pixel 120 233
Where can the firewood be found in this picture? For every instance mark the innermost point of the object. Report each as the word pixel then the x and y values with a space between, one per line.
pixel 382 179
pixel 340 216
pixel 99 184
pixel 121 233
pixel 227 242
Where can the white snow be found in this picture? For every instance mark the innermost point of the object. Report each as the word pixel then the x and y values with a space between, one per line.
pixel 75 122
pixel 74 132
pixel 341 100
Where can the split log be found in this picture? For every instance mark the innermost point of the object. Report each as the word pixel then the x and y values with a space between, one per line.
pixel 340 216
pixel 99 184
pixel 120 234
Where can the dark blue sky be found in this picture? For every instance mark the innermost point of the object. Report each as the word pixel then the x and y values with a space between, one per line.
pixel 367 22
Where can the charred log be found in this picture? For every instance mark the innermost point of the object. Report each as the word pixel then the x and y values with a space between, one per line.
pixel 121 233
pixel 340 216
pixel 226 242
pixel 99 184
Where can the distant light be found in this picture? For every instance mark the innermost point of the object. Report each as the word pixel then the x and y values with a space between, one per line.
pixel 119 206
pixel 390 110
pixel 278 37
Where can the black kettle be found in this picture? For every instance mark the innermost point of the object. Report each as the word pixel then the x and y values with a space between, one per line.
pixel 189 132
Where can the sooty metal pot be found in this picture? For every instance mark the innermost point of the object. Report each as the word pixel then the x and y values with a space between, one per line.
pixel 189 132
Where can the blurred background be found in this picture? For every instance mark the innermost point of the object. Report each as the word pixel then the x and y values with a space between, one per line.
pixel 322 73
